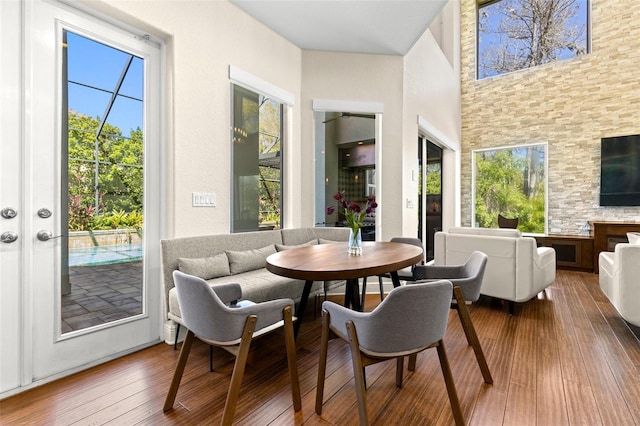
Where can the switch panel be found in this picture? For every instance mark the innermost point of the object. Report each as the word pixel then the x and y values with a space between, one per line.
pixel 203 199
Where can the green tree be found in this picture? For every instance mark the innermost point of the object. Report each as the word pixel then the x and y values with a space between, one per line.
pixel 510 182
pixel 119 161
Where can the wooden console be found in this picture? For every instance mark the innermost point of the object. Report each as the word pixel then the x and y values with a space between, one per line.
pixel 607 234
pixel 572 251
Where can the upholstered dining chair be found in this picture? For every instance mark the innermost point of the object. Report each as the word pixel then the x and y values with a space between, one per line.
pixel 405 274
pixel 409 320
pixel 208 316
pixel 505 222
pixel 466 280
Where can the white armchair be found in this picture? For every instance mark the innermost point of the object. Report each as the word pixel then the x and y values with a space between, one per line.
pixel 516 270
pixel 619 272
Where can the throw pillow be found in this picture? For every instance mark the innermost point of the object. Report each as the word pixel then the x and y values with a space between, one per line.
pixel 281 247
pixel 633 237
pixel 206 267
pixel 250 260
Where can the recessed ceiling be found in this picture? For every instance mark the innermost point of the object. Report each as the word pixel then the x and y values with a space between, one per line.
pixel 371 26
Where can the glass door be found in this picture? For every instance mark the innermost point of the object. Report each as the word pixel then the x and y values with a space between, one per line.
pixel 91 201
pixel 429 193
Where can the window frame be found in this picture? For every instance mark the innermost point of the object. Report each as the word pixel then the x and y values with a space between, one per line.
pixel 485 3
pixel 247 81
pixel 545 144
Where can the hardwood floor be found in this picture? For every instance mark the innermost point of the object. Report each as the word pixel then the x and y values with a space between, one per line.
pixel 565 358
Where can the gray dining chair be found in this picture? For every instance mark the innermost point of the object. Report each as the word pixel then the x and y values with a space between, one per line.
pixel 409 320
pixel 210 315
pixel 405 274
pixel 467 281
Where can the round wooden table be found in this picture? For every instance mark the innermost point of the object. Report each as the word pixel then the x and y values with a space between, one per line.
pixel 324 262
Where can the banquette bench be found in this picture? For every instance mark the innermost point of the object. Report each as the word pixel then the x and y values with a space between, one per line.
pixel 238 258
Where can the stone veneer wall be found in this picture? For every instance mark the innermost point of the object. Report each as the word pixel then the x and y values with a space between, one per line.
pixel 569 104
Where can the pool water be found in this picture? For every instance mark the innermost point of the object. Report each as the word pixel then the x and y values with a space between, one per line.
pixel 105 255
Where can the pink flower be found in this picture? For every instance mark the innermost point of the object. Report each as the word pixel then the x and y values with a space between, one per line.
pixel 330 210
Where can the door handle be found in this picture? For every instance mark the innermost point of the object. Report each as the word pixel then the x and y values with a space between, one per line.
pixel 8 237
pixel 45 235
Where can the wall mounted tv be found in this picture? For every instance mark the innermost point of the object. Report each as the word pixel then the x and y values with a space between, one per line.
pixel 620 171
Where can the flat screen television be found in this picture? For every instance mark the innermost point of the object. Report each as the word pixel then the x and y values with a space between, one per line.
pixel 620 171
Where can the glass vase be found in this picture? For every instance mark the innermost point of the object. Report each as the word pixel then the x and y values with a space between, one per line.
pixel 355 242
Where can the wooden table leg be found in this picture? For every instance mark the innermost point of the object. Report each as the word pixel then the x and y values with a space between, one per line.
pixel 302 305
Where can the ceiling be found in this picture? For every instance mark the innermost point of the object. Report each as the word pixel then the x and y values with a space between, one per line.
pixel 359 26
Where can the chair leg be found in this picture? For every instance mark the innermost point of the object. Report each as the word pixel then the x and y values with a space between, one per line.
pixel 358 373
pixel 290 344
pixel 175 342
pixel 399 367
pixel 470 332
pixel 412 362
pixel 177 374
pixel 211 358
pixel 381 288
pixel 238 370
pixel 322 364
pixel 451 386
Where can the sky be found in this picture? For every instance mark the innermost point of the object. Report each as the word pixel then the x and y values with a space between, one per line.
pixel 95 64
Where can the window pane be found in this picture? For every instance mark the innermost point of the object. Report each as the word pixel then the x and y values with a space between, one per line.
pixel 511 182
pixel 102 279
pixel 517 34
pixel 257 161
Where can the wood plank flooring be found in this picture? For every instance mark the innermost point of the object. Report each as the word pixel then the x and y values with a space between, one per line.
pixel 564 358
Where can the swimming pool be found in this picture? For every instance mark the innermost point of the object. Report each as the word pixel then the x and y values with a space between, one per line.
pixel 105 255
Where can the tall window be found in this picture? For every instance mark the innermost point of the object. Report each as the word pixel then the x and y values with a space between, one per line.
pixel 257 161
pixel 512 182
pixel 518 34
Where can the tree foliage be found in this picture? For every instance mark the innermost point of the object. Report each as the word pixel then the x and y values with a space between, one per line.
pixel 119 162
pixel 517 34
pixel 504 185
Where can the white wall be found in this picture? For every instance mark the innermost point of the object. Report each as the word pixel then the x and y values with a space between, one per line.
pixel 205 38
pixel 359 78
pixel 431 96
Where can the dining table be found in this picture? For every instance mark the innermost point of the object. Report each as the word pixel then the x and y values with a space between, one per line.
pixel 328 262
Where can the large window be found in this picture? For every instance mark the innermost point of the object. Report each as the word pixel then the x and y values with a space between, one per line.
pixel 518 34
pixel 257 161
pixel 511 181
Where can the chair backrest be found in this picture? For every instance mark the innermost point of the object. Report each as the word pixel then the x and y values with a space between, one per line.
pixel 504 222
pixel 474 273
pixel 203 312
pixel 409 240
pixel 410 317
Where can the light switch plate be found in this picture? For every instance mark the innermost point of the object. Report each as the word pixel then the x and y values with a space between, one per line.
pixel 203 199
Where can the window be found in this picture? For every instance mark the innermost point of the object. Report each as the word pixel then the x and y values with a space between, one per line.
pixel 512 182
pixel 518 34
pixel 257 161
